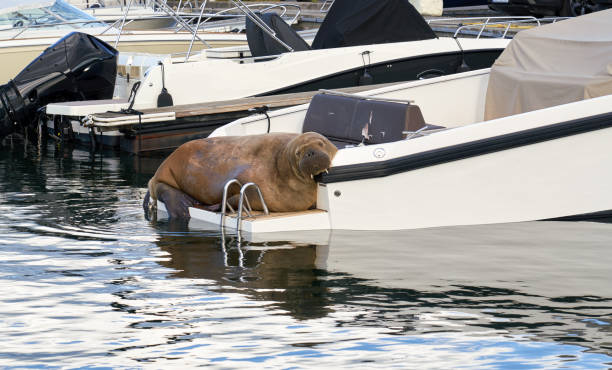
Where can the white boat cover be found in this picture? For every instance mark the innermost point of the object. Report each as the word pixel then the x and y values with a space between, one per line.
pixel 9 6
pixel 563 62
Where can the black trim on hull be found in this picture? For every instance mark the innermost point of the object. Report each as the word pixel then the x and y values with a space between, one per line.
pixel 397 70
pixel 601 216
pixel 457 152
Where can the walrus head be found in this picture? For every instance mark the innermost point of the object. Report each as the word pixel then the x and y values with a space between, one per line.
pixel 312 154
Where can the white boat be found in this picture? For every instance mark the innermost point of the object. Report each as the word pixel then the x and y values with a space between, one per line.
pixel 528 139
pixel 153 14
pixel 141 16
pixel 400 47
pixel 28 27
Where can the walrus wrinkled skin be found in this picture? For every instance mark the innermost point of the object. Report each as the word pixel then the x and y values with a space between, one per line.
pixel 281 164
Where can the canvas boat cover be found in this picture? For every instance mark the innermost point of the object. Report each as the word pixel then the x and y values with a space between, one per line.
pixel 563 62
pixel 348 23
pixel 365 22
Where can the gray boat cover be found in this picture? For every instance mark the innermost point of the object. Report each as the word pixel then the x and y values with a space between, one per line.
pixel 563 62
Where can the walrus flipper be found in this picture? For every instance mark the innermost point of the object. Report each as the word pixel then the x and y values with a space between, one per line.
pixel 177 203
pixel 147 204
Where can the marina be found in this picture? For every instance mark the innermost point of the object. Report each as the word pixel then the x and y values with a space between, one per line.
pixel 39 24
pixel 496 122
pixel 416 53
pixel 346 184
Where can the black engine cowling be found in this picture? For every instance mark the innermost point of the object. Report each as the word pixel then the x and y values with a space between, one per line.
pixel 77 67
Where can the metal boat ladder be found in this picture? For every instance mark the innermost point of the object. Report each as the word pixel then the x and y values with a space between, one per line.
pixel 243 202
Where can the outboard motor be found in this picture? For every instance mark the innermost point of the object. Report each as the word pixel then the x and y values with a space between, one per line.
pixel 77 67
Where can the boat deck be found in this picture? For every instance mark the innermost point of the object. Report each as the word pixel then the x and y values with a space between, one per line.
pixel 216 107
pixel 313 219
pixel 166 128
pixel 200 109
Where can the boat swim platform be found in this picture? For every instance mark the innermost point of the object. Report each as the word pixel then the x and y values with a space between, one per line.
pixel 275 222
pixel 166 128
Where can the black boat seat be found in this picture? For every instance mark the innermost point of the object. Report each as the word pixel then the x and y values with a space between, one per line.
pixel 262 44
pixel 347 121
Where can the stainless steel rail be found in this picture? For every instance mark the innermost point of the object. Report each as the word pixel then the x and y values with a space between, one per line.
pixel 241 201
pixel 174 15
pixel 362 97
pixel 252 16
pixel 322 9
pixel 482 23
pixel 264 8
pixel 196 30
pixel 224 204
pixel 123 23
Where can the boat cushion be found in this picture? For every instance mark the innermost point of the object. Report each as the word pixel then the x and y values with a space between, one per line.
pixel 352 120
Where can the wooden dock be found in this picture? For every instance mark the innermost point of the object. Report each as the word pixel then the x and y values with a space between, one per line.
pixel 164 129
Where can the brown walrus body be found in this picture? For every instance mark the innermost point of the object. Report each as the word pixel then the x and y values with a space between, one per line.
pixel 281 164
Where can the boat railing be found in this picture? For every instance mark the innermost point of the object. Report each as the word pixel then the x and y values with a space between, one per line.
pixel 423 131
pixel 326 6
pixel 20 30
pixel 264 8
pixel 237 56
pixel 121 5
pixel 224 202
pixel 241 202
pixel 477 26
pixel 260 23
pixel 248 11
pixel 84 4
pixel 162 5
pixel 183 23
pixel 76 24
pixel 244 205
pixel 174 14
pixel 365 97
pixel 122 22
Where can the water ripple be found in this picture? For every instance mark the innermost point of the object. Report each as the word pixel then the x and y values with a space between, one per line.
pixel 86 281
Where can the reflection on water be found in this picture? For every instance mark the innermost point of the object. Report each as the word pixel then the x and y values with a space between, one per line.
pixel 275 272
pixel 86 281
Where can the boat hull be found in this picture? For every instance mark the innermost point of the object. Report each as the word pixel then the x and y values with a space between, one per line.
pixel 554 178
pixel 15 57
pixel 552 163
pixel 567 177
pixel 220 79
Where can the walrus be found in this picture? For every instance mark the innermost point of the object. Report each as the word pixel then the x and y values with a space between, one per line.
pixel 283 165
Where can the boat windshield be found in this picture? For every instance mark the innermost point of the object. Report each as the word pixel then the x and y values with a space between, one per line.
pixel 58 15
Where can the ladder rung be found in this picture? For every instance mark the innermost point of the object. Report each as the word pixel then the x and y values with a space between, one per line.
pixel 243 202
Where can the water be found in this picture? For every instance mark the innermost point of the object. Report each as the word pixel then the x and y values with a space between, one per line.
pixel 85 281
